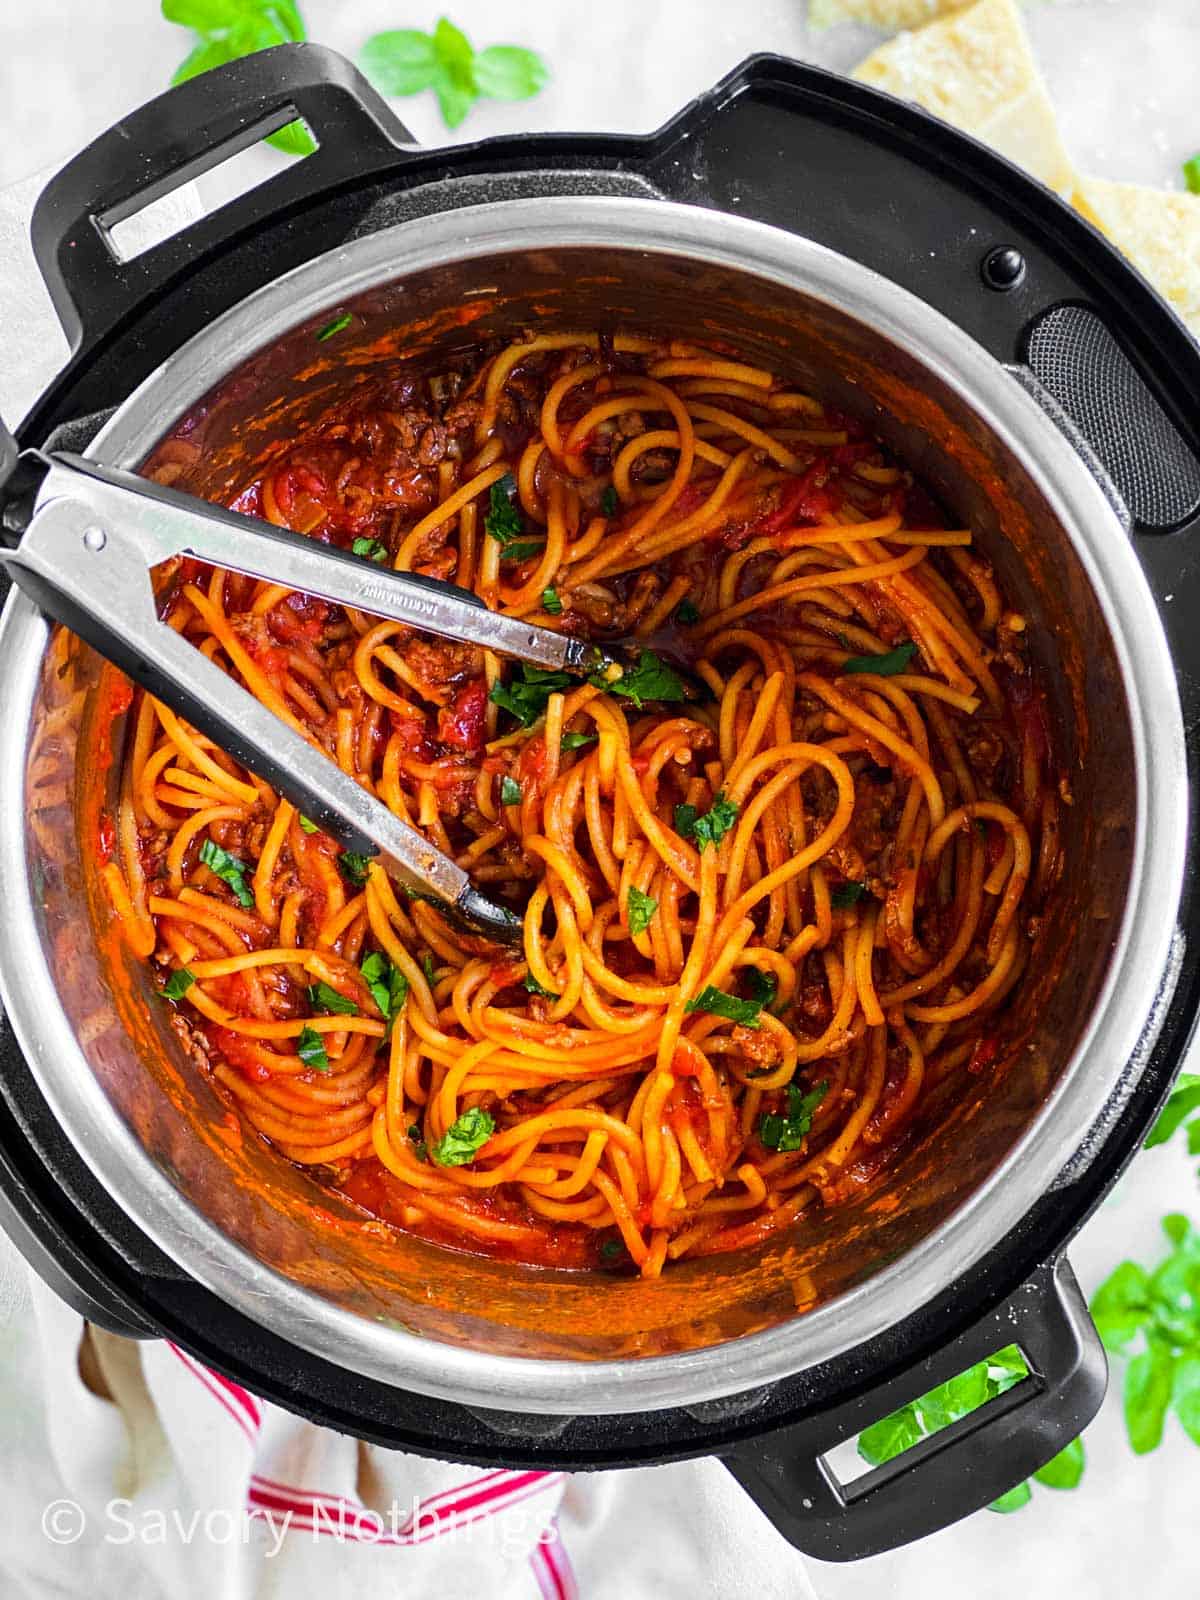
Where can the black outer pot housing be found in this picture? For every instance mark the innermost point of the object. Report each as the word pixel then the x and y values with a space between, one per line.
pixel 1024 275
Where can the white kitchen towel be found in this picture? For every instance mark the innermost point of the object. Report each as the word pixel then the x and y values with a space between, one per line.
pixel 134 1472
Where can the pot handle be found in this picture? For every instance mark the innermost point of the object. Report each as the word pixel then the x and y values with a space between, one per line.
pixel 951 1473
pixel 180 135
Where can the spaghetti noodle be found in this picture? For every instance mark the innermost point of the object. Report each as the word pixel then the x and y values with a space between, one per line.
pixel 757 928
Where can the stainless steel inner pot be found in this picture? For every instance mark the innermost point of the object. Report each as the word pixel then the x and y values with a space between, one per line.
pixel 260 1233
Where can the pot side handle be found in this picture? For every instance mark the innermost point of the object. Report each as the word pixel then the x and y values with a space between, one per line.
pixel 954 1472
pixel 180 135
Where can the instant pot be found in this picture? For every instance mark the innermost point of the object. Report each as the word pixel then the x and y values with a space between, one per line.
pixel 1008 355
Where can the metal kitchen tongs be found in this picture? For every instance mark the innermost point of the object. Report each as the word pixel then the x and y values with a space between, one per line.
pixel 81 540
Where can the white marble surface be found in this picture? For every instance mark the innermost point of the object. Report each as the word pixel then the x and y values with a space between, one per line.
pixel 1123 74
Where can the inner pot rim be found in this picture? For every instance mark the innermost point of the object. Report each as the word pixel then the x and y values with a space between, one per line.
pixel 1092 1087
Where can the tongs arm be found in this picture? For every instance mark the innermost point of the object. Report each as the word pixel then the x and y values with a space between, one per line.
pixel 92 573
pixel 168 523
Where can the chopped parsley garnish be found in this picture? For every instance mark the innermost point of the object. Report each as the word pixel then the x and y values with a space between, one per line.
pixel 336 326
pixel 535 987
pixel 464 1138
pixel 510 791
pixel 428 969
pixel 882 666
pixel 846 895
pixel 525 697
pixel 228 868
pixel 372 549
pixel 310 1047
pixel 324 998
pixel 686 613
pixel 502 519
pixel 388 985
pixel 609 501
pixel 178 984
pixel 1191 173
pixel 708 827
pixel 719 1004
pixel 788 1131
pixel 308 825
pixel 576 741
pixel 763 986
pixel 651 679
pixel 417 1139
pixel 552 602
pixel 641 908
pixel 354 867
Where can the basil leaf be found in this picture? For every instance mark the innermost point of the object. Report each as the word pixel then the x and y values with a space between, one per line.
pixel 428 968
pixel 417 1140
pixel 891 1436
pixel 322 997
pixel 650 679
pixel 763 986
pixel 1191 173
pixel 452 47
pixel 228 868
pixel 845 895
pixel 788 1132
pixel 1184 1099
pixel 1180 1232
pixel 640 908
pixel 310 1047
pixel 336 326
pixel 685 820
pixel 294 139
pixel 719 1004
pixel 953 1399
pixel 526 697
pixel 610 501
pixel 454 100
pixel 503 520
pixel 212 53
pixel 1148 1383
pixel 354 867
pixel 1005 1369
pixel 1014 1499
pixel 372 549
pixel 1064 1470
pixel 308 825
pixel 506 72
pixel 612 1249
pixel 1120 1307
pixel 1185 1393
pixel 522 549
pixel 885 666
pixel 709 827
pixel 465 1137
pixel 400 61
pixel 576 741
pixel 535 987
pixel 178 984
pixel 388 985
pixel 551 602
pixel 510 791
pixel 686 613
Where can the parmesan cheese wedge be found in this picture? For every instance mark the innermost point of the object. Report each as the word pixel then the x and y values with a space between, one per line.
pixel 1158 229
pixel 889 14
pixel 975 69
